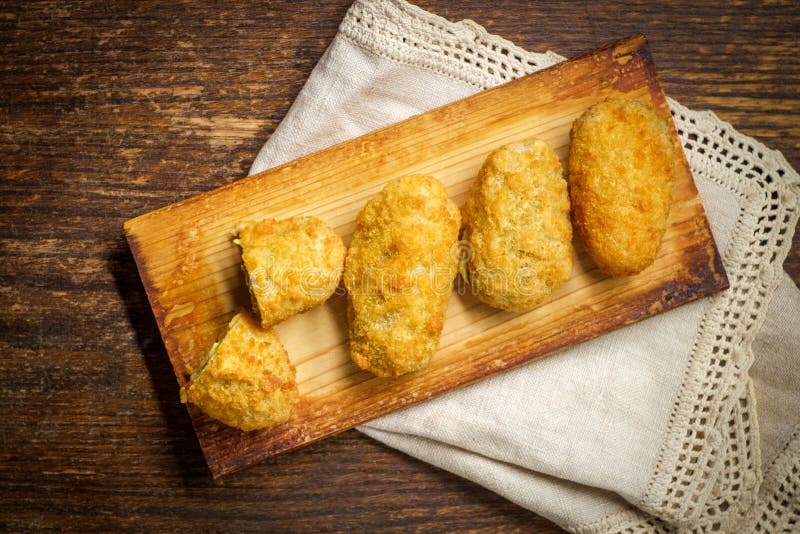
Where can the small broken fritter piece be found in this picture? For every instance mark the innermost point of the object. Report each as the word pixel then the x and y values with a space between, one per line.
pixel 621 162
pixel 291 265
pixel 516 223
pixel 246 380
pixel 399 274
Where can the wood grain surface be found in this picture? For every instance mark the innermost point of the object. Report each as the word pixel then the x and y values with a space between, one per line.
pixel 191 269
pixel 109 110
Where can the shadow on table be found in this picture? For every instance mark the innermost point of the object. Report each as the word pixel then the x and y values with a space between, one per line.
pixel 187 451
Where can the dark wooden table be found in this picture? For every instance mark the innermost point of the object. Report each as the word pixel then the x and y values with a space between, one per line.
pixel 112 109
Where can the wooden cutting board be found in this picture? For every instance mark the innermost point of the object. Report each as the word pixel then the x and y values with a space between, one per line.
pixel 191 269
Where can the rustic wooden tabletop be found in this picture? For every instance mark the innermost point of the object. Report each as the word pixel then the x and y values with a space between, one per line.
pixel 112 109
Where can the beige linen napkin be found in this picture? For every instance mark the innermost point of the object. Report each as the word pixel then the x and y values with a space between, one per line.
pixel 653 427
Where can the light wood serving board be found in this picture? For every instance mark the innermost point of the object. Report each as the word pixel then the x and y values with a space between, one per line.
pixel 191 269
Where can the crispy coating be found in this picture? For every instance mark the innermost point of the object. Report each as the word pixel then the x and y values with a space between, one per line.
pixel 620 178
pixel 247 380
pixel 291 265
pixel 399 274
pixel 516 221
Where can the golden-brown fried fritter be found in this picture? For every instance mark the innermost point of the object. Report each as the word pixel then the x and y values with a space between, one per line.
pixel 517 227
pixel 291 265
pixel 620 180
pixel 399 273
pixel 247 380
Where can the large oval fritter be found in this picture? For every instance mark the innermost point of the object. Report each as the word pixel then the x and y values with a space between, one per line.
pixel 517 227
pixel 399 272
pixel 620 180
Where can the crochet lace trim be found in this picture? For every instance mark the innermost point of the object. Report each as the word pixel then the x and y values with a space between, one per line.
pixel 778 508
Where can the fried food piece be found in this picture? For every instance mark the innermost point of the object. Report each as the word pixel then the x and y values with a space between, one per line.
pixel 291 265
pixel 516 221
pixel 620 177
pixel 399 274
pixel 246 380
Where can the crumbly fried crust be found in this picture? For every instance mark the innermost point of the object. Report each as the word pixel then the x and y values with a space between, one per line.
pixel 620 178
pixel 247 380
pixel 291 265
pixel 516 223
pixel 399 273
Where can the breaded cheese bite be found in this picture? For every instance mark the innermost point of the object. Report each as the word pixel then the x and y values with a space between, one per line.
pixel 291 265
pixel 246 380
pixel 516 223
pixel 399 273
pixel 621 162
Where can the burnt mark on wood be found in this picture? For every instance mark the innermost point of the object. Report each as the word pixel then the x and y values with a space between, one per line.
pixel 152 293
